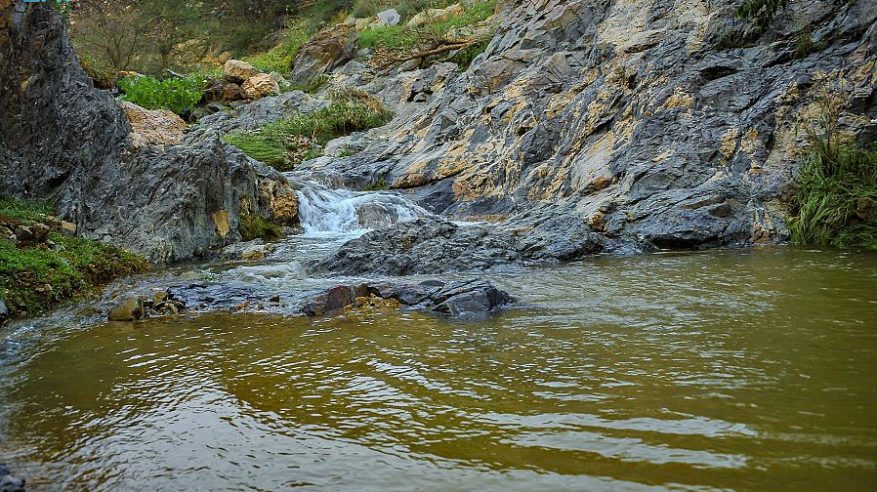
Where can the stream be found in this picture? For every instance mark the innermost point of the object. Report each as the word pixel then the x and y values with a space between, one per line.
pixel 752 369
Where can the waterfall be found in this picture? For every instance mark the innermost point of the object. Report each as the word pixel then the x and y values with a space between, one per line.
pixel 323 210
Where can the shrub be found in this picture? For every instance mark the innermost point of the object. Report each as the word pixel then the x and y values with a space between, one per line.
pixel 285 143
pixel 175 94
pixel 279 58
pixel 834 180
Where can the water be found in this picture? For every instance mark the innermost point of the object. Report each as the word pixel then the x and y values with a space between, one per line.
pixel 727 370
pixel 326 211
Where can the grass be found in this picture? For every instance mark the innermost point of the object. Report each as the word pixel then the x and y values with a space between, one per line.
pixel 285 143
pixel 836 177
pixel 279 58
pixel 34 279
pixel 402 38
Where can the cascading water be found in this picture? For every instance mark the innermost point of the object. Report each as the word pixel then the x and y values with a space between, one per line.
pixel 326 211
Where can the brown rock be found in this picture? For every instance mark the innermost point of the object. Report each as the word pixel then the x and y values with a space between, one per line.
pixel 153 126
pixel 238 71
pixel 328 49
pixel 68 228
pixel 128 310
pixel 866 209
pixel 259 86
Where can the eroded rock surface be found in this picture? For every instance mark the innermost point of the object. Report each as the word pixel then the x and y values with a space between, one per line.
pixel 63 138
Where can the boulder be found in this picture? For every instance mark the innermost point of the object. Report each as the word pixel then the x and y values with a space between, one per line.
pixel 259 86
pixel 238 71
pixel 435 15
pixel 470 298
pixel 389 17
pixel 130 309
pixel 328 49
pixel 153 126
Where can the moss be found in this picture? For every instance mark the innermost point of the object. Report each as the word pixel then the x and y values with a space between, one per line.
pixel 285 143
pixel 254 226
pixel 378 185
pixel 36 278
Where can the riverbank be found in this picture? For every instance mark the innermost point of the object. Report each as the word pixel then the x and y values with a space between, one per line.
pixel 43 264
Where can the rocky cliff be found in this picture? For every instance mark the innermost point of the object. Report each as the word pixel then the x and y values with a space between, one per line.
pixel 666 123
pixel 62 139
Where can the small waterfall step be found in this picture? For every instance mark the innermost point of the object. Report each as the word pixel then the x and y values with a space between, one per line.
pixel 323 210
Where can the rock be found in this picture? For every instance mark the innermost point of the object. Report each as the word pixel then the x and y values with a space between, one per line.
pixel 259 86
pixel 4 312
pixel 429 16
pixel 866 209
pixel 68 228
pixel 163 303
pixel 329 48
pixel 130 309
pixel 238 71
pixel 24 234
pixel 6 233
pixel 153 126
pixel 389 17
pixel 9 483
pixel 40 232
pixel 432 245
pixel 223 90
pixel 460 299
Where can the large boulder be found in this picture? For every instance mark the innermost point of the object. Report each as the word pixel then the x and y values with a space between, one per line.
pixel 329 48
pixel 435 15
pixel 259 86
pixel 63 138
pixel 153 127
pixel 238 71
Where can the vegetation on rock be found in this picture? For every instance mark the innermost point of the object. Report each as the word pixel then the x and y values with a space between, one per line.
pixel 175 94
pixel 36 277
pixel 254 226
pixel 836 188
pixel 285 143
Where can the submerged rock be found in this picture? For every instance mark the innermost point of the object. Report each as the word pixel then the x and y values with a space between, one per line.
pixel 127 310
pixel 459 299
pixel 9 483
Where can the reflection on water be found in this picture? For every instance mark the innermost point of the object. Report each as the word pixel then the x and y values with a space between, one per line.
pixel 744 370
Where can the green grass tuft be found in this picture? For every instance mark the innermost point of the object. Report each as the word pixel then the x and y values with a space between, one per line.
pixel 285 143
pixel 25 211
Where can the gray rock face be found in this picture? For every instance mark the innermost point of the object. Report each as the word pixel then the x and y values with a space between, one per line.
pixel 433 245
pixel 630 118
pixel 4 312
pixel 328 49
pixel 62 138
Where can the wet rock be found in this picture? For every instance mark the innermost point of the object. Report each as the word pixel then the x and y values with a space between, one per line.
pixel 130 309
pixel 253 250
pixel 4 312
pixel 433 245
pixel 238 71
pixel 459 299
pixel 259 86
pixel 153 126
pixel 164 303
pixel 9 483
pixel 329 48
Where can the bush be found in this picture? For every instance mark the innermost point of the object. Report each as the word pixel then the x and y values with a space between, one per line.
pixel 761 12
pixel 285 143
pixel 175 94
pixel 834 181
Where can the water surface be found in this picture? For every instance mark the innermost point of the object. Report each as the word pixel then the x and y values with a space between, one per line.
pixel 735 370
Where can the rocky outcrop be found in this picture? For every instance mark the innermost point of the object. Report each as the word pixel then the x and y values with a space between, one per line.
pixel 432 245
pixel 63 138
pixel 640 122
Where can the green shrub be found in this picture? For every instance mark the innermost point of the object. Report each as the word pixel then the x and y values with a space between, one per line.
pixel 467 55
pixel 834 180
pixel 279 58
pixel 365 8
pixel 285 143
pixel 175 94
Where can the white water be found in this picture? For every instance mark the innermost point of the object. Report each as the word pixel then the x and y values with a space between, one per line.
pixel 325 211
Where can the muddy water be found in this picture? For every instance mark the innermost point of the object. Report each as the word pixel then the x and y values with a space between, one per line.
pixel 739 370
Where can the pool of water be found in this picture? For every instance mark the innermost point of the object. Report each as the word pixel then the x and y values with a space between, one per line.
pixel 725 370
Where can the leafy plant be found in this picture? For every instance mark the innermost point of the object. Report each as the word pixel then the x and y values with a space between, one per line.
pixel 762 12
pixel 175 94
pixel 831 186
